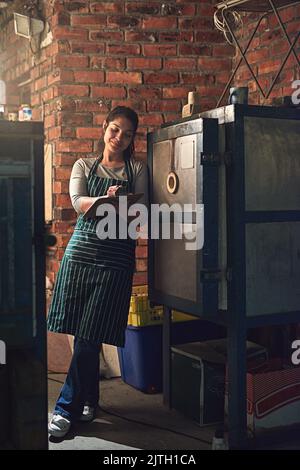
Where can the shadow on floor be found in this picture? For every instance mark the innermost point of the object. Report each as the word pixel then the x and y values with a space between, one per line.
pixel 130 419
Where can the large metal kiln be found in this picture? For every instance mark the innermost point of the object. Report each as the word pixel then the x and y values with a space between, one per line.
pixel 243 164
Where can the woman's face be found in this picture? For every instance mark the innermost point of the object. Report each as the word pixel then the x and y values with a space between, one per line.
pixel 118 135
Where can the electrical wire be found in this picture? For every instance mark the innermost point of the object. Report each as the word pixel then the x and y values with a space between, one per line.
pixel 220 23
pixel 144 423
pixel 155 426
pixel 250 431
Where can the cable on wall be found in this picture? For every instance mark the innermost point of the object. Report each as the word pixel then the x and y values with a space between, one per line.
pixel 220 23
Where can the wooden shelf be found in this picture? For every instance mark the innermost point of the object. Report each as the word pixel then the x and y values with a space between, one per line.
pixel 255 5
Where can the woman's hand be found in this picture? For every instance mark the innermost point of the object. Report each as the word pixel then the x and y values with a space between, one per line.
pixel 111 192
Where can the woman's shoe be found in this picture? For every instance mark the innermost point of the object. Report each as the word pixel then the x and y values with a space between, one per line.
pixel 59 426
pixel 88 413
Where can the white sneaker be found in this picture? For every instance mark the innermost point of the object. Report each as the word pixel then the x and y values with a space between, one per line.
pixel 88 413
pixel 59 426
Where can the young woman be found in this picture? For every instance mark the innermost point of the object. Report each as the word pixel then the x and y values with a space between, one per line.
pixel 93 287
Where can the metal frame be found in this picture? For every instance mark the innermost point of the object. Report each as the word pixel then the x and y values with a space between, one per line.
pixel 254 5
pixel 273 9
pixel 33 168
pixel 238 217
pixel 28 336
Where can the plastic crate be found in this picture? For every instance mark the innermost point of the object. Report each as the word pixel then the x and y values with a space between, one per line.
pixel 140 312
pixel 140 290
pixel 141 358
pixel 179 316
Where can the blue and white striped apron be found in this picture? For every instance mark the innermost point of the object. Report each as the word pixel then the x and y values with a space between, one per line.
pixel 92 292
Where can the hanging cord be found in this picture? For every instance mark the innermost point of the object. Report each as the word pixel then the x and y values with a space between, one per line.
pixel 220 24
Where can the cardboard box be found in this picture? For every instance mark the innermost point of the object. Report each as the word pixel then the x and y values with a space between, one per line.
pixel 198 378
pixel 273 397
pixel 109 361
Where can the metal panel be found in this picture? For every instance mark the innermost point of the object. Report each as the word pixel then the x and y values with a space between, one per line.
pixel 175 266
pixel 15 234
pixel 22 292
pixel 179 156
pixel 175 269
pixel 272 268
pixel 22 284
pixel 272 164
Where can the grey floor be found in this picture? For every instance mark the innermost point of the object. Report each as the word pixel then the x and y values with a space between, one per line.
pixel 130 419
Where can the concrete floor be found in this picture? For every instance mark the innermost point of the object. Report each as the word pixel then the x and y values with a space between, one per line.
pixel 130 419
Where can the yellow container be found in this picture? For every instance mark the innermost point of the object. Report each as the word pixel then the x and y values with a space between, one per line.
pixel 140 289
pixel 179 316
pixel 140 312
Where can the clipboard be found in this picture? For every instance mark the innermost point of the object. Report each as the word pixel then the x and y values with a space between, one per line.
pixel 114 200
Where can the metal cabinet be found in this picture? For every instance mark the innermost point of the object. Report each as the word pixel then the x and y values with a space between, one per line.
pixel 242 163
pixel 22 283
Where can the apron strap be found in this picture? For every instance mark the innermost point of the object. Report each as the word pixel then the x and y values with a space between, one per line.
pixel 128 169
pixel 95 165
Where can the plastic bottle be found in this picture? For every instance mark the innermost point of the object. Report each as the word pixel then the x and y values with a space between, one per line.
pixel 2 98
pixel 218 442
pixel 25 113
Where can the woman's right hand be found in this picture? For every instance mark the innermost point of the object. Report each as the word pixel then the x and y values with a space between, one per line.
pixel 111 192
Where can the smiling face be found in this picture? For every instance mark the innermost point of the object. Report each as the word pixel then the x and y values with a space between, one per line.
pixel 118 135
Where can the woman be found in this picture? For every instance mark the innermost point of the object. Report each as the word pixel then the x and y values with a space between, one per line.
pixel 93 287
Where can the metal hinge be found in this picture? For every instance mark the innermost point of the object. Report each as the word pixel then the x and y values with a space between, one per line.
pixel 211 275
pixel 207 275
pixel 215 159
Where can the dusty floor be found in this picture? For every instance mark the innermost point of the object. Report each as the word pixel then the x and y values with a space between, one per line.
pixel 128 418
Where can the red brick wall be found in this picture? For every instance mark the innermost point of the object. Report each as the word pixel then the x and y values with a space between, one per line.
pixel 147 55
pixel 266 54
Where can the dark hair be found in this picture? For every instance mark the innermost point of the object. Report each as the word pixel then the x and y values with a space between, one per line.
pixel 128 113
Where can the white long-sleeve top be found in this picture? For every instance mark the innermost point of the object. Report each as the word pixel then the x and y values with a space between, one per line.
pixel 80 173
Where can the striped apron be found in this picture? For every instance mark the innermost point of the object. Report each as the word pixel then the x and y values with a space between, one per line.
pixel 92 292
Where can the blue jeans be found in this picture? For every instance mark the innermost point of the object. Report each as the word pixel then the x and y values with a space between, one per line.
pixel 82 382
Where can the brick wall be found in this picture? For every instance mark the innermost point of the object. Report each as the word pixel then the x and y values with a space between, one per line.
pixel 147 55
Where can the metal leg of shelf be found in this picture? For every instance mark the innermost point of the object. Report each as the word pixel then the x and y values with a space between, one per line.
pixel 166 348
pixel 237 411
